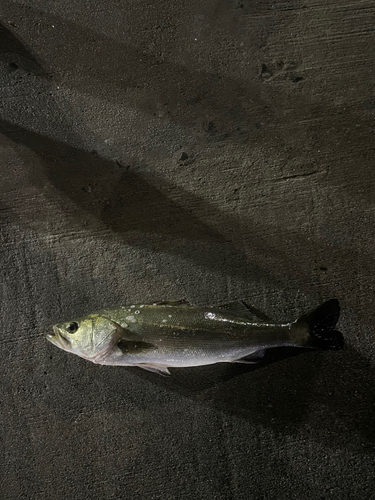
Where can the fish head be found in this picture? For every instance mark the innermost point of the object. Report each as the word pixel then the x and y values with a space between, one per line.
pixel 89 337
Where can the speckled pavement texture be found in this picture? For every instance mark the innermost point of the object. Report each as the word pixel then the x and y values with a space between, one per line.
pixel 201 150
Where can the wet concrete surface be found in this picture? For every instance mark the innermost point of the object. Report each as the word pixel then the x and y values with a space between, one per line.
pixel 208 151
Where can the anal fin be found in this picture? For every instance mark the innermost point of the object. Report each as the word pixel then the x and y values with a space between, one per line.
pixel 160 369
pixel 252 358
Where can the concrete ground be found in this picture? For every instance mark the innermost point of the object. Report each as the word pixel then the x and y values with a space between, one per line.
pixel 202 150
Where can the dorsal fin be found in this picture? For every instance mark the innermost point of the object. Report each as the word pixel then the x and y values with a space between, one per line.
pixel 241 308
pixel 182 302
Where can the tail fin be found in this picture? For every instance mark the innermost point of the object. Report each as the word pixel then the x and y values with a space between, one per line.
pixel 320 324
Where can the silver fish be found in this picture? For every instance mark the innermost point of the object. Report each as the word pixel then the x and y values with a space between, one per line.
pixel 168 334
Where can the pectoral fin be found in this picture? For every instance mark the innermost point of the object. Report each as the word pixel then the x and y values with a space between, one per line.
pixel 123 332
pixel 128 341
pixel 160 369
pixel 134 347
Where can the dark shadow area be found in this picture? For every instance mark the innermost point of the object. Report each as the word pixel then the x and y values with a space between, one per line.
pixel 145 211
pixel 159 86
pixel 155 214
pixel 281 399
pixel 15 54
pixel 101 195
pixel 193 381
pixel 122 199
pixel 217 108
pixel 281 393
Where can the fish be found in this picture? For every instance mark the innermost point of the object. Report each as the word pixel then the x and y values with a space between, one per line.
pixel 176 334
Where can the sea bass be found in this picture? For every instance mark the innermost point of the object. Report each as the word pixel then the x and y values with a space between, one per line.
pixel 169 334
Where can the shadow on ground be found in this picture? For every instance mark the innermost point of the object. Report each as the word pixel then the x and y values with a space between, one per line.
pixel 281 391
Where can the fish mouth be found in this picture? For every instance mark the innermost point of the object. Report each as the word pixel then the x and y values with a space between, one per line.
pixel 57 339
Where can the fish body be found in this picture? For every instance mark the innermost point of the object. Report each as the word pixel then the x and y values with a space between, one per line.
pixel 175 334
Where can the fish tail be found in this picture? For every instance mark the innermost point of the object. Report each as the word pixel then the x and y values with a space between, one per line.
pixel 317 328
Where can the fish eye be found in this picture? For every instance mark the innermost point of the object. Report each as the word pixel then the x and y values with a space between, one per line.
pixel 72 327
